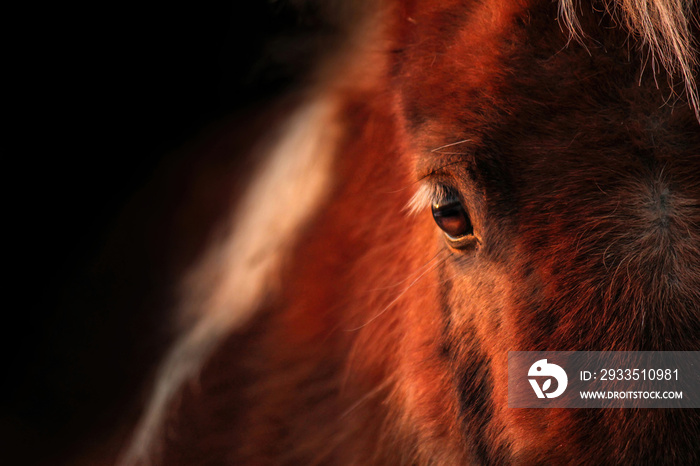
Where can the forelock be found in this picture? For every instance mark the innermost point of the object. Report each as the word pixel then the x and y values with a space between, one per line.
pixel 662 25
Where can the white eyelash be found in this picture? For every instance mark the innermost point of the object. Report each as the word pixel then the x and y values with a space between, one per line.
pixel 428 194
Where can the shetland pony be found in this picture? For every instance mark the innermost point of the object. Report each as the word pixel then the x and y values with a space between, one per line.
pixel 458 179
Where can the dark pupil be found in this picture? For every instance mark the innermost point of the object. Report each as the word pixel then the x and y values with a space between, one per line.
pixel 452 219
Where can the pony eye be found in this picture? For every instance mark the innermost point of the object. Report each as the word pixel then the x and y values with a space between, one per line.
pixel 452 218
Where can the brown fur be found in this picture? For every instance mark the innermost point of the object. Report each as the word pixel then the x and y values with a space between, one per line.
pixel 384 346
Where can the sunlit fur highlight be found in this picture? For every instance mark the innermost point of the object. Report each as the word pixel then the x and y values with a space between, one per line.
pixel 236 274
pixel 428 194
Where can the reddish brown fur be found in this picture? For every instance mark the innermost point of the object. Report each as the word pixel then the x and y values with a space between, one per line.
pixel 387 347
